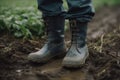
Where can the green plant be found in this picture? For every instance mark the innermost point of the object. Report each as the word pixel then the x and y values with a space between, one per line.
pixel 21 22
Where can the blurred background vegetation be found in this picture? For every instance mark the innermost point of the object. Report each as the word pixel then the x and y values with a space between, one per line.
pixel 28 3
pixel 22 19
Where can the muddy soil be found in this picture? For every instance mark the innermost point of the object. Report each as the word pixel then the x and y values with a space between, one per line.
pixel 102 64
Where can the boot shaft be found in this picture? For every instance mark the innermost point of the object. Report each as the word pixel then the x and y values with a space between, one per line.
pixel 54 27
pixel 78 32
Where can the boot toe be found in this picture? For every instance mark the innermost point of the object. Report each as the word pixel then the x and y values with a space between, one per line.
pixel 34 57
pixel 68 62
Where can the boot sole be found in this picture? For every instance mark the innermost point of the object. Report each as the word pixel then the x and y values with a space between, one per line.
pixel 77 65
pixel 45 60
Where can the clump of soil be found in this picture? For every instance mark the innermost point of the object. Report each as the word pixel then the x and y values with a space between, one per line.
pixel 102 64
pixel 105 56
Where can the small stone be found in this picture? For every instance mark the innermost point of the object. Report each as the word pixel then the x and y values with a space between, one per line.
pixel 18 71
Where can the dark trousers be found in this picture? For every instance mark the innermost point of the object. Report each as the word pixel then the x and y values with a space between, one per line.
pixel 81 10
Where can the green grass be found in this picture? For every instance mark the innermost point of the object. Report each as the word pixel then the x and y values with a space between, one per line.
pixel 18 3
pixel 100 3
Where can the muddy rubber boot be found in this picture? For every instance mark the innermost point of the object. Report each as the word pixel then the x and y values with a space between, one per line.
pixel 55 41
pixel 78 52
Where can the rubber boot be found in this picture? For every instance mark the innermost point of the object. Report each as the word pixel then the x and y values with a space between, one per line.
pixel 78 52
pixel 55 41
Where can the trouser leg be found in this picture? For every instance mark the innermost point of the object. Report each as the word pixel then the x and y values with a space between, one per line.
pixel 81 10
pixel 51 7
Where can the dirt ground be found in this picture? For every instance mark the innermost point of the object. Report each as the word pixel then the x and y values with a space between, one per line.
pixel 102 64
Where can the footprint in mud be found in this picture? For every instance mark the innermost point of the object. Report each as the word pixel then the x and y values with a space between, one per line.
pixel 32 76
pixel 55 72
pixel 67 74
